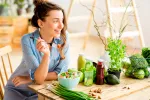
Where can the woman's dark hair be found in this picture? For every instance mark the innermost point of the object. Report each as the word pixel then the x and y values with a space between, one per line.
pixel 41 11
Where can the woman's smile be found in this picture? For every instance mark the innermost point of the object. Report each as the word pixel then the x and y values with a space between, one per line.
pixel 57 31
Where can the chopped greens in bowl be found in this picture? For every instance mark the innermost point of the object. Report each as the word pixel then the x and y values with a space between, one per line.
pixel 67 74
pixel 69 79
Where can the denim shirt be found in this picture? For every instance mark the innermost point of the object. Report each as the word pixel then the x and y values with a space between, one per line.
pixel 32 57
pixel 30 62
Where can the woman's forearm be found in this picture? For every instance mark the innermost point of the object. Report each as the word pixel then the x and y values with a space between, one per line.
pixel 51 76
pixel 42 71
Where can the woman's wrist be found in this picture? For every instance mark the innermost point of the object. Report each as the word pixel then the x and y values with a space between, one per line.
pixel 28 78
pixel 47 54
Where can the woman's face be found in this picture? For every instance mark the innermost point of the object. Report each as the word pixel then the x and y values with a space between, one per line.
pixel 53 23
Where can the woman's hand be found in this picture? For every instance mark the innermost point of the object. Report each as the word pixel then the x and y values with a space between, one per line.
pixel 42 46
pixel 19 80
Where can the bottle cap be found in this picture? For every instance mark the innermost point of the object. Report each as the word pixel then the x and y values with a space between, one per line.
pixel 81 54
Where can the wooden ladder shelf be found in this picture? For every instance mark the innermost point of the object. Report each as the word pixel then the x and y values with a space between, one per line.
pixel 89 18
pixel 116 7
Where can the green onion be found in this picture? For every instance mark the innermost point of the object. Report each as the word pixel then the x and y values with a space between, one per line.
pixel 69 94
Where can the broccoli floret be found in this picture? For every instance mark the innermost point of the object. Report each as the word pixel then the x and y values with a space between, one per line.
pixel 138 61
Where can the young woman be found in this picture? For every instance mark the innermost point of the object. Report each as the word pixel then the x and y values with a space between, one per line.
pixel 45 52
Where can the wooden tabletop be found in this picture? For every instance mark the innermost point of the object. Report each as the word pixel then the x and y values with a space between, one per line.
pixel 128 89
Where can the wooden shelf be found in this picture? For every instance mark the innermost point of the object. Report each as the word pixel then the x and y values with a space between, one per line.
pixel 12 29
pixel 120 9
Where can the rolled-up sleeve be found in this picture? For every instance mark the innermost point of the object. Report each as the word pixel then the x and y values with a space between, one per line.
pixel 30 60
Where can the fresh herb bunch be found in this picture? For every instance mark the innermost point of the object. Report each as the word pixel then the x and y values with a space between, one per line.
pixel 116 51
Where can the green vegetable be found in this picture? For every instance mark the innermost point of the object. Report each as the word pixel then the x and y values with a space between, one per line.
pixel 72 70
pixel 139 66
pixel 69 94
pixel 116 51
pixel 138 61
pixel 112 79
pixel 81 76
pixel 146 72
pixel 63 74
pixel 139 74
pixel 129 71
pixel 126 63
pixel 146 54
pixel 69 74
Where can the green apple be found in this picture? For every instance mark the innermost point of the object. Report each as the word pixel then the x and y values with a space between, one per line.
pixel 72 70
pixel 81 76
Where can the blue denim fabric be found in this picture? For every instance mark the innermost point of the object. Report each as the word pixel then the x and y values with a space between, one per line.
pixel 30 62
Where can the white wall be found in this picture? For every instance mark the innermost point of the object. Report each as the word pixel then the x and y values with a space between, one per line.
pixel 144 14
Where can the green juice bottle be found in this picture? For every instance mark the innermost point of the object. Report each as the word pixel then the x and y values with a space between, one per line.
pixel 81 62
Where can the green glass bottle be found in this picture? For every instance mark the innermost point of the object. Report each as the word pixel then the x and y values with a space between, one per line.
pixel 81 62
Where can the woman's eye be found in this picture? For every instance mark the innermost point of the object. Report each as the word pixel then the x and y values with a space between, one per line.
pixel 55 21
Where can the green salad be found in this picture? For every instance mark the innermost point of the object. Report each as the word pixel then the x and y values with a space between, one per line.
pixel 67 74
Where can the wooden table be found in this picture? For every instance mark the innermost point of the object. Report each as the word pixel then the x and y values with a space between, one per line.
pixel 128 89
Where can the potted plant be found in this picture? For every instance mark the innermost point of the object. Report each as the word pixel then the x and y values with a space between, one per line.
pixel 4 8
pixel 116 50
pixel 21 4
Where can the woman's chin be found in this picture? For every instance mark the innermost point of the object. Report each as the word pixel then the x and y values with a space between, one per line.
pixel 57 36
